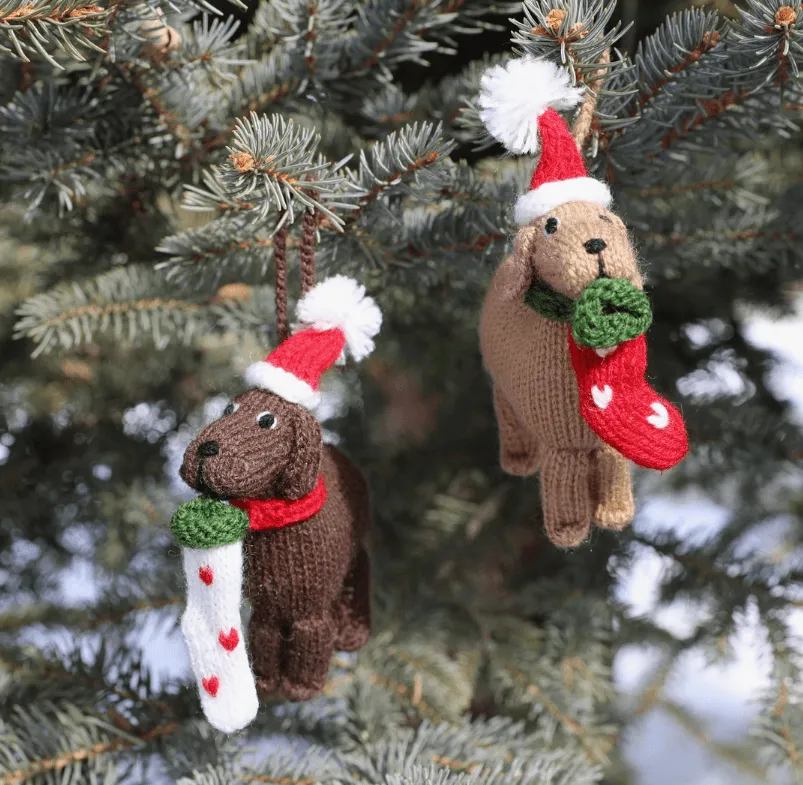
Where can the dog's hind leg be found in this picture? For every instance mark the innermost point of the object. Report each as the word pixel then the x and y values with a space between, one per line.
pixel 613 491
pixel 566 496
pixel 353 607
pixel 306 656
pixel 518 449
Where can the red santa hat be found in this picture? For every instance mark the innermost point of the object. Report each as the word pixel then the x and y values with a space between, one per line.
pixel 335 316
pixel 518 104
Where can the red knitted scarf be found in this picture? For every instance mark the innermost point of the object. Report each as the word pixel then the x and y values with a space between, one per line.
pixel 277 513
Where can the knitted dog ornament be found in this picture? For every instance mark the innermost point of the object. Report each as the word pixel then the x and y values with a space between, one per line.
pixel 562 327
pixel 300 507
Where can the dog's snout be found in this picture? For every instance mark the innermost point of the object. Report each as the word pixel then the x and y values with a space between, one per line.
pixel 208 449
pixel 596 245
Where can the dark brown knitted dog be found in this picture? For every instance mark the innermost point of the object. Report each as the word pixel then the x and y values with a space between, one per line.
pixel 301 510
pixel 308 581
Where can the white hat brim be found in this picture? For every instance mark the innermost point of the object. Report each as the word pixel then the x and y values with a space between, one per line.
pixel 548 196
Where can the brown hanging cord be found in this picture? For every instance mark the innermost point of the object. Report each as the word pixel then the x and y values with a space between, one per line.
pixel 585 118
pixel 280 268
pixel 307 252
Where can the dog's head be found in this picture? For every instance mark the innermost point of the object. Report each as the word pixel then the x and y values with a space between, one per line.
pixel 574 245
pixel 582 251
pixel 263 447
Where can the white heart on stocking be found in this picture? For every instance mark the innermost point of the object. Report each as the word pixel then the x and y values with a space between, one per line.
pixel 602 397
pixel 661 417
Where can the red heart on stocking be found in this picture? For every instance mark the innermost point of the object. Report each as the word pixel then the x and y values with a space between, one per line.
pixel 211 685
pixel 206 575
pixel 229 642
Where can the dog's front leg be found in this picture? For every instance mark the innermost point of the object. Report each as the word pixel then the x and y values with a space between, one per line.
pixel 307 653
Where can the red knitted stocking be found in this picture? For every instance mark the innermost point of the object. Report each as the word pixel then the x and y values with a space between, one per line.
pixel 623 410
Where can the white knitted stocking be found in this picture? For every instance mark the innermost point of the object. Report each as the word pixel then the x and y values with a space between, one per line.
pixel 214 636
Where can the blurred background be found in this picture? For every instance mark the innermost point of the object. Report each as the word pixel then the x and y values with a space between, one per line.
pixel 668 653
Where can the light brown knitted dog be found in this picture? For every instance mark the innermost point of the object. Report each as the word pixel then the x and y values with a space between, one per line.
pixel 308 582
pixel 535 388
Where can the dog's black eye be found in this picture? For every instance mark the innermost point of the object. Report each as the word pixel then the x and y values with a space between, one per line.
pixel 266 420
pixel 230 409
pixel 551 226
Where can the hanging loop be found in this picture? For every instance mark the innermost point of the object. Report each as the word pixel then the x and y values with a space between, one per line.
pixel 280 269
pixel 585 119
pixel 307 252
pixel 306 266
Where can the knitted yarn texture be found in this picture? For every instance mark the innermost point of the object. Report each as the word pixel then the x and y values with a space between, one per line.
pixel 537 404
pixel 307 513
pixel 339 317
pixel 308 570
pixel 206 523
pixel 610 311
pixel 276 513
pixel 309 586
pixel 623 410
pixel 212 630
pixel 543 299
pixel 572 402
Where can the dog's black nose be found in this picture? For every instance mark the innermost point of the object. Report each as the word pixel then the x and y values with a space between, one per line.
pixel 596 245
pixel 207 449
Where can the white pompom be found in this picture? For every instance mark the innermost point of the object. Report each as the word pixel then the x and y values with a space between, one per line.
pixel 516 94
pixel 341 303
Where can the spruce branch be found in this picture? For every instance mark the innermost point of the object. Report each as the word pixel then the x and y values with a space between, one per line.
pixel 310 35
pixel 467 753
pixel 777 728
pixel 405 168
pixel 122 303
pixel 273 164
pixel 573 34
pixel 704 78
pixel 448 101
pixel 112 612
pixel 529 675
pixel 391 108
pixel 60 140
pixel 212 46
pixel 742 242
pixel 69 26
pixel 254 312
pixel 748 183
pixel 386 34
pixel 731 754
pixel 264 85
pixel 680 44
pixel 91 753
pixel 403 163
pixel 99 702
pixel 315 42
pixel 229 246
pixel 769 36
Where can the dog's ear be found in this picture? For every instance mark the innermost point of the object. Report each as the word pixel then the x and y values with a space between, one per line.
pixel 519 265
pixel 304 465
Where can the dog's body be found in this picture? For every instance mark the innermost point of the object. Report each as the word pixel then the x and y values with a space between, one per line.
pixel 308 581
pixel 309 587
pixel 535 389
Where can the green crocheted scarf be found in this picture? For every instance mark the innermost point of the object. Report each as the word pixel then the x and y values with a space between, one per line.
pixel 546 302
pixel 610 311
pixel 208 523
